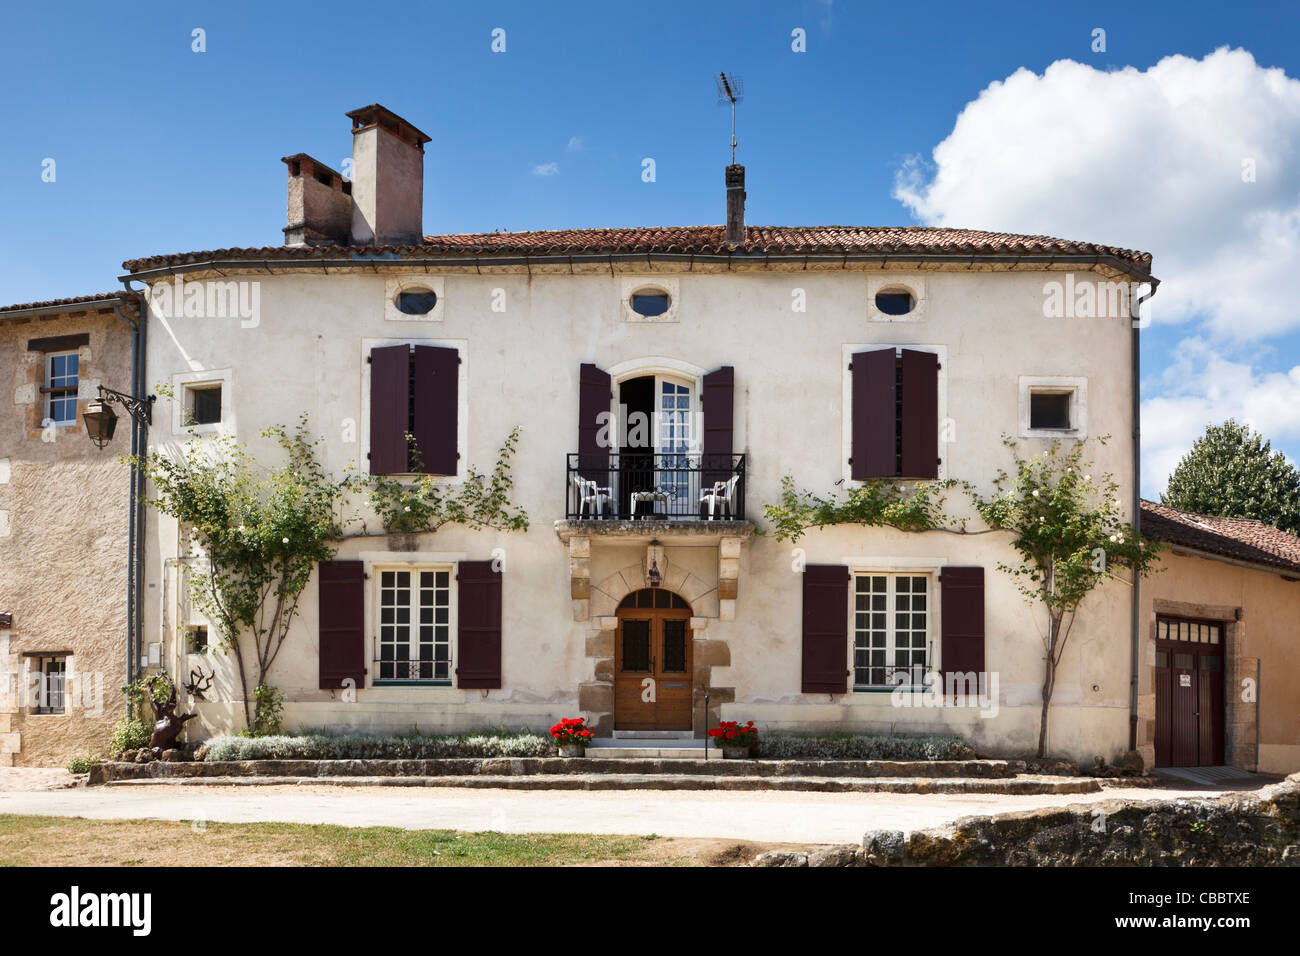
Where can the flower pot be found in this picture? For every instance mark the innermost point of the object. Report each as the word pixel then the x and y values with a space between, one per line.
pixel 572 750
pixel 735 753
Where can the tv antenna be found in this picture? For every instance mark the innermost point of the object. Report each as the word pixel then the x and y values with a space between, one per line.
pixel 731 89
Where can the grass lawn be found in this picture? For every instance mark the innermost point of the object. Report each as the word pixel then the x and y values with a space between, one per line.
pixel 67 841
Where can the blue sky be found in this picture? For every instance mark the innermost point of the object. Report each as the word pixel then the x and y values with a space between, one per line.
pixel 158 148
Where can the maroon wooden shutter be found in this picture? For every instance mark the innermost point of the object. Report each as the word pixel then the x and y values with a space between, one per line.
pixel 341 591
pixel 390 372
pixel 478 628
pixel 593 399
pixel 920 414
pixel 962 611
pixel 437 377
pixel 718 399
pixel 874 415
pixel 825 629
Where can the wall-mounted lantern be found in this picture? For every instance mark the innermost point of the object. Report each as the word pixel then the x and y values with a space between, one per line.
pixel 101 420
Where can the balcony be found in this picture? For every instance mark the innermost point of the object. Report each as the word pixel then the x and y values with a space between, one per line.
pixel 655 488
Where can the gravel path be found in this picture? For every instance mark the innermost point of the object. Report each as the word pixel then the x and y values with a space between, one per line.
pixel 762 816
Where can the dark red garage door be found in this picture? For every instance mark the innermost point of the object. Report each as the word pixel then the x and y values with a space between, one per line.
pixel 1190 658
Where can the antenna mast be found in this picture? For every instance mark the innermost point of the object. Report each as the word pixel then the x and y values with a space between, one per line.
pixel 731 89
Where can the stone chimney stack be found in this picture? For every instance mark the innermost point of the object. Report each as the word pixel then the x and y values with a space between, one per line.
pixel 320 204
pixel 735 205
pixel 387 178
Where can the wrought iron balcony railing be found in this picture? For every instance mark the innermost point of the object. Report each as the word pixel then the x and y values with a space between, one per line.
pixel 655 486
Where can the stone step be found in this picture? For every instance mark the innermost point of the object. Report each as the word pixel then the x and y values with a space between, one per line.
pixel 1066 785
pixel 652 753
pixel 558 766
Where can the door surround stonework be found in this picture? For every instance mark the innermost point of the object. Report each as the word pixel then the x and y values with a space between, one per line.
pixel 596 695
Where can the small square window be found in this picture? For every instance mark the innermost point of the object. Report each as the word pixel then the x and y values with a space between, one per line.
pixel 203 405
pixel 197 642
pixel 1050 410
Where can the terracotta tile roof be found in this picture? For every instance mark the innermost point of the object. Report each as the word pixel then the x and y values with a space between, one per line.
pixel 686 240
pixel 53 303
pixel 1245 539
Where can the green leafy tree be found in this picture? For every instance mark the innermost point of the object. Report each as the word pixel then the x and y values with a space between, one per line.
pixel 1232 472
pixel 259 532
pixel 1069 530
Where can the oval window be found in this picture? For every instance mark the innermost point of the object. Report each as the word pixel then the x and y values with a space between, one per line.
pixel 416 301
pixel 895 301
pixel 650 303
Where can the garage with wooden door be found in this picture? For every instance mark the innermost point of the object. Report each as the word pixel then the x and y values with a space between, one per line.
pixel 1189 665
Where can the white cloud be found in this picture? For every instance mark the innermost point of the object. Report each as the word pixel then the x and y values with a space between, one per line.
pixel 575 144
pixel 1201 387
pixel 1152 160
pixel 1147 159
pixel 547 169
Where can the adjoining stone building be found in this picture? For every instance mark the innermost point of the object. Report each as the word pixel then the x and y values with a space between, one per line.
pixel 63 530
pixel 1220 655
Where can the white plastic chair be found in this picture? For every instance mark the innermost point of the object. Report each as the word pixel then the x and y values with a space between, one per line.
pixel 721 495
pixel 591 494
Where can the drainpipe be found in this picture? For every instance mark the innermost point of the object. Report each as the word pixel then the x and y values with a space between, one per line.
pixel 1135 316
pixel 135 506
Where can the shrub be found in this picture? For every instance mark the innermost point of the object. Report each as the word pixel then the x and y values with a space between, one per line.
pixel 844 746
pixel 130 733
pixel 83 764
pixel 415 746
pixel 268 715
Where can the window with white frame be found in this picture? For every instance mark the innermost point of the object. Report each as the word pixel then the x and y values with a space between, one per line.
pixel 891 629
pixel 1053 407
pixel 61 380
pixel 414 635
pixel 50 684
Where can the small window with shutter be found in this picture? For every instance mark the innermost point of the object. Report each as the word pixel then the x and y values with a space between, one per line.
pixel 414 410
pixel 892 419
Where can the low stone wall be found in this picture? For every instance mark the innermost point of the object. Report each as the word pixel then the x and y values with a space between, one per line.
pixel 1261 828
pixel 518 766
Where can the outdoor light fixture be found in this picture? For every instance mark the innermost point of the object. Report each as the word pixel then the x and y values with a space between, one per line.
pixel 653 576
pixel 101 420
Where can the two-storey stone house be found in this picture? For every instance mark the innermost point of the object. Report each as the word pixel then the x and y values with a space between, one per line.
pixel 665 381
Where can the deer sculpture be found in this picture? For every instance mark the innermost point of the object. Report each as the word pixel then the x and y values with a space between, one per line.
pixel 167 725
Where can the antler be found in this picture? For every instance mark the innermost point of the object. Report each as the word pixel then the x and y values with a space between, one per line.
pixel 200 682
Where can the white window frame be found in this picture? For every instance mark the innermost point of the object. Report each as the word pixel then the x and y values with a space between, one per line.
pixel 915 284
pixel 1075 386
pixel 462 404
pixel 49 382
pixel 377 571
pixel 924 568
pixel 670 287
pixel 394 285
pixel 185 382
pixel 31 667
pixel 846 399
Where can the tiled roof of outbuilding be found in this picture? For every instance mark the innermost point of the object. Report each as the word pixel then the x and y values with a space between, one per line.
pixel 1244 539
pixel 54 303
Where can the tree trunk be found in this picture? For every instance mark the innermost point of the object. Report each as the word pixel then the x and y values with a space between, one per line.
pixel 1049 680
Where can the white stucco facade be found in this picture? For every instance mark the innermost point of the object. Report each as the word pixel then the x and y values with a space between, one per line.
pixel 521 339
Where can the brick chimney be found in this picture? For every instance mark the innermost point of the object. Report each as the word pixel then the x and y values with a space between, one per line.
pixel 320 204
pixel 387 178
pixel 735 205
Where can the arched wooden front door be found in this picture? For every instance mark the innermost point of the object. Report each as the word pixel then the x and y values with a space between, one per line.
pixel 653 662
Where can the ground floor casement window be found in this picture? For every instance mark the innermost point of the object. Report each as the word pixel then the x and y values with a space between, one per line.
pixel 414 633
pixel 50 679
pixel 891 629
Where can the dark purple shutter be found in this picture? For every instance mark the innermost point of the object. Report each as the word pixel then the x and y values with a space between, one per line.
pixel 390 378
pixel 718 398
pixel 961 608
pixel 478 628
pixel 825 629
pixel 920 414
pixel 341 591
pixel 437 377
pixel 593 400
pixel 873 416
